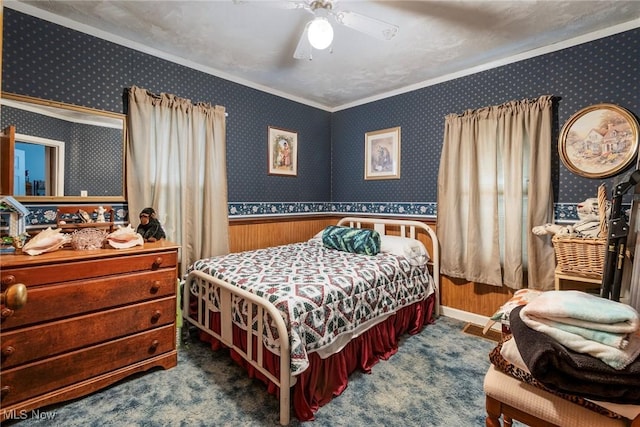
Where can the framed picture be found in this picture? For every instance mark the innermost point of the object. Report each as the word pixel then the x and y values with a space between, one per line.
pixel 382 154
pixel 283 152
pixel 599 141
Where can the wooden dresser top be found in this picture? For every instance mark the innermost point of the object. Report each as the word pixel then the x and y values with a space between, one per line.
pixel 68 254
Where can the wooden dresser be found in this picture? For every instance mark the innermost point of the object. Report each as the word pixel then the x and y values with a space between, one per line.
pixel 90 319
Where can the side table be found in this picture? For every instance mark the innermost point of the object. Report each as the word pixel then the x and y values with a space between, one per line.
pixel 585 281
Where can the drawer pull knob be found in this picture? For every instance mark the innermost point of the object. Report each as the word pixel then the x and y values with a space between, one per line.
pixel 155 287
pixel 4 391
pixel 8 351
pixel 9 280
pixel 155 316
pixel 15 296
pixel 157 262
pixel 154 346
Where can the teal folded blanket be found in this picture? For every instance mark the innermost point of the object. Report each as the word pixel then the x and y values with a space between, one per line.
pixel 586 323
pixel 355 240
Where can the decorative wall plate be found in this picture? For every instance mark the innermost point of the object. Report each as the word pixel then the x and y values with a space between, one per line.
pixel 599 141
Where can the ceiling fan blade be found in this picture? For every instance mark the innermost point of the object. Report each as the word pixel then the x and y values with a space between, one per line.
pixel 303 50
pixel 373 27
pixel 282 4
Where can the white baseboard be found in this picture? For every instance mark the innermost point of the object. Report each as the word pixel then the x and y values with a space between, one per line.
pixel 466 316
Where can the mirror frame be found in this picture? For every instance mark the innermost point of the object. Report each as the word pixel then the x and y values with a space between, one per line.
pixel 85 110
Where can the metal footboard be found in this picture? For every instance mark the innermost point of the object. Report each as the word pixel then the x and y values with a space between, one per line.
pixel 203 286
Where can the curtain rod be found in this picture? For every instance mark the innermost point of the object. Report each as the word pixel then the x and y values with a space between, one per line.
pixel 125 99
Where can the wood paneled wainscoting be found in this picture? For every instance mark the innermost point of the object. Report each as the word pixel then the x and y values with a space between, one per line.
pixel 477 298
pixel 247 234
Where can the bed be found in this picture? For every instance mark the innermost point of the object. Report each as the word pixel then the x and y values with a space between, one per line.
pixel 339 308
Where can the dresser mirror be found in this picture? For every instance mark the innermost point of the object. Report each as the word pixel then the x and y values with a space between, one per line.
pixel 62 152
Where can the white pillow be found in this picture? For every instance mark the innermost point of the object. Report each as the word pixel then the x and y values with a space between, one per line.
pixel 407 247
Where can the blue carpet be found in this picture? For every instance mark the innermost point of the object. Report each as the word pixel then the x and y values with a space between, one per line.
pixel 435 379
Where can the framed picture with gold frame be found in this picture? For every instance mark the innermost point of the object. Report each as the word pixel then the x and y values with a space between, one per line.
pixel 599 141
pixel 382 154
pixel 283 152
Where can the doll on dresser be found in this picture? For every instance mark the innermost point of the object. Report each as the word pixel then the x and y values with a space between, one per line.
pixel 150 228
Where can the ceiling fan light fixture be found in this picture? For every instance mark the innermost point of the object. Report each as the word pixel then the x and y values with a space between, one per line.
pixel 320 33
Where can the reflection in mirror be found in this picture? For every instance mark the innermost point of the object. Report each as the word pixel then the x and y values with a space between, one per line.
pixel 81 150
pixel 38 166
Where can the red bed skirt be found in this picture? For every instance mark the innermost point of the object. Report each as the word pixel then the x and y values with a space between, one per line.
pixel 327 378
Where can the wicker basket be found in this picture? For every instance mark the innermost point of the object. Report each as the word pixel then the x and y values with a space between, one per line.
pixel 580 256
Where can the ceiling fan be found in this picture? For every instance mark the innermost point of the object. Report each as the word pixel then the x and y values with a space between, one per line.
pixel 318 32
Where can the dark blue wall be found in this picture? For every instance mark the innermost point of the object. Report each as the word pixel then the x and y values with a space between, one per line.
pixel 602 71
pixel 46 60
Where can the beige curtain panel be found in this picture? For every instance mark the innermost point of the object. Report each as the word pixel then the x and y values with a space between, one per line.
pixel 494 185
pixel 176 163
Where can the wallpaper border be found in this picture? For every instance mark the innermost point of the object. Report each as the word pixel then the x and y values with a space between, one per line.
pixel 45 215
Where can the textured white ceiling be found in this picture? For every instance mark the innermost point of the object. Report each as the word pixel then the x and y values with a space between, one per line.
pixel 253 42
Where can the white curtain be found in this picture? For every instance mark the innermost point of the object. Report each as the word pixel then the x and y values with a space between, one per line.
pixel 494 186
pixel 176 163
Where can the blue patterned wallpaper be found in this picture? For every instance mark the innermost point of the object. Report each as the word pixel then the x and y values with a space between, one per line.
pixel 46 60
pixel 604 70
pixel 90 148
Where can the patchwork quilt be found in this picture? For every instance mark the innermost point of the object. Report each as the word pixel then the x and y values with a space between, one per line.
pixel 320 292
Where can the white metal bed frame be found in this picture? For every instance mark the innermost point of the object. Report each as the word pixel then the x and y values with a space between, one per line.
pixel 207 285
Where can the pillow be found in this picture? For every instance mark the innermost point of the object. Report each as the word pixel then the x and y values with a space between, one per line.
pixel 355 240
pixel 407 247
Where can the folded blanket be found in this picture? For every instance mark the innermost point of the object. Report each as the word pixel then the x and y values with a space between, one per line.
pixel 564 370
pixel 499 359
pixel 512 359
pixel 587 324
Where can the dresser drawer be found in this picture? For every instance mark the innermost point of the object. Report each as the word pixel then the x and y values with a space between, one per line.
pixel 51 339
pixel 34 379
pixel 51 302
pixel 75 270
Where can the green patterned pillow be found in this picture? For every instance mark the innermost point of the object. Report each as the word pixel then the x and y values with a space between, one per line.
pixel 355 240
